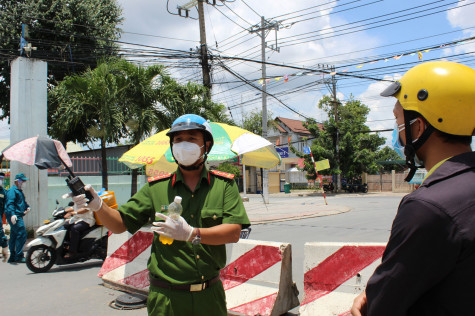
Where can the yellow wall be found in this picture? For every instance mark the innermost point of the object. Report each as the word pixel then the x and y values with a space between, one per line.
pixel 274 182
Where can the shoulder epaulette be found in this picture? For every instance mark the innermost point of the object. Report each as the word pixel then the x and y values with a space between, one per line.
pixel 161 177
pixel 222 174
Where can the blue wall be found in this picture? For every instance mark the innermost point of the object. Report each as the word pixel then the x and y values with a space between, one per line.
pixel 119 184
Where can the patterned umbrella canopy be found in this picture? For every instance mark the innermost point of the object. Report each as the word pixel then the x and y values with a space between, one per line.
pixel 229 142
pixel 40 151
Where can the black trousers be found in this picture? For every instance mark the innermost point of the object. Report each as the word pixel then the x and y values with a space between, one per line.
pixel 75 232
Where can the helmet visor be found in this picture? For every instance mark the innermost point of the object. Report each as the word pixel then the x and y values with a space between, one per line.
pixel 184 126
pixel 392 89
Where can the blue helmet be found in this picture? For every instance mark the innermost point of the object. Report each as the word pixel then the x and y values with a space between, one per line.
pixel 192 122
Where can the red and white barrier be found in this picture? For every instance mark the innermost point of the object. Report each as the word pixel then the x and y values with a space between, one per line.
pixel 125 267
pixel 335 273
pixel 257 279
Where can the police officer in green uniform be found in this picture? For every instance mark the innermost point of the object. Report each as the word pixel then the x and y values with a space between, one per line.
pixel 184 276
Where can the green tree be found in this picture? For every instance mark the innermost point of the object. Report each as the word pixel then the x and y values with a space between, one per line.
pixel 71 35
pixel 177 99
pixel 252 121
pixel 90 107
pixel 388 159
pixel 141 95
pixel 120 100
pixel 229 168
pixel 358 149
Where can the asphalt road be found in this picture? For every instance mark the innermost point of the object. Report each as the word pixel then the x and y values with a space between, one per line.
pixel 76 289
pixel 369 220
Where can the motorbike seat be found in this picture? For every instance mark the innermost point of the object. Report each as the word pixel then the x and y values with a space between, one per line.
pixel 87 231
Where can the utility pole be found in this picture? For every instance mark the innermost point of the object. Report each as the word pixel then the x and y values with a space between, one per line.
pixel 335 105
pixel 263 30
pixel 204 50
pixel 203 47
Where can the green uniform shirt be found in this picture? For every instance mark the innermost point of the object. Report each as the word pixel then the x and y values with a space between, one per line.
pixel 215 201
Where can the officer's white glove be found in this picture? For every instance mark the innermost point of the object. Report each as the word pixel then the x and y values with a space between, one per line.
pixel 80 201
pixel 28 210
pixel 13 219
pixel 177 229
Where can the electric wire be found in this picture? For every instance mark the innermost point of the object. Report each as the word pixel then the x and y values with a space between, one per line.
pixel 251 8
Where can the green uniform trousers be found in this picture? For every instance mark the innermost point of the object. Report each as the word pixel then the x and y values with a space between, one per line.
pixel 166 302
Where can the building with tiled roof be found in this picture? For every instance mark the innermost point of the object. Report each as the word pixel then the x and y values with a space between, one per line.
pixel 285 131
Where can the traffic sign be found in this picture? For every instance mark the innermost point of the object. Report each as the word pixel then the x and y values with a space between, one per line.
pixel 322 165
pixel 306 150
pixel 283 152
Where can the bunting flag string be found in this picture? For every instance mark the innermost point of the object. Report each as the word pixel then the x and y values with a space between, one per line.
pixel 419 53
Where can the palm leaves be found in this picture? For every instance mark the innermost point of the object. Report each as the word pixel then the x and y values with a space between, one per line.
pixel 119 100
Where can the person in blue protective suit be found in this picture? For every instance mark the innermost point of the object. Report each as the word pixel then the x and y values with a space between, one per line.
pixel 3 238
pixel 15 208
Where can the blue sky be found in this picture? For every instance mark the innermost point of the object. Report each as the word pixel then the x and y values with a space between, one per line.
pixel 346 34
pixel 364 39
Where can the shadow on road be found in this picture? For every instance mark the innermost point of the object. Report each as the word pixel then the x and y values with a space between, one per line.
pixel 74 267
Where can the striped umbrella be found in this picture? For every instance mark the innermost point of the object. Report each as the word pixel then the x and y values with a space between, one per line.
pixel 229 142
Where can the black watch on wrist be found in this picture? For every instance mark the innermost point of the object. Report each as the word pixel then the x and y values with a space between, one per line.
pixel 197 239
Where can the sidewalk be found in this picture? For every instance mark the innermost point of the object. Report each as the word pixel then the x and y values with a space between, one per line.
pixel 283 207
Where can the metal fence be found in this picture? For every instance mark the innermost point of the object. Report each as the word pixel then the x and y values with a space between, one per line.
pixel 92 166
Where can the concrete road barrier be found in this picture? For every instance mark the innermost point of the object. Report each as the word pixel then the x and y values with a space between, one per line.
pixel 257 279
pixel 335 273
pixel 125 267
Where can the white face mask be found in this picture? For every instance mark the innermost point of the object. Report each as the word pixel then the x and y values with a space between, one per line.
pixel 186 153
pixel 1 182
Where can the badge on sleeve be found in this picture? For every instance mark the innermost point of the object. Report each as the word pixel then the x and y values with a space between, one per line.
pixel 157 178
pixel 222 174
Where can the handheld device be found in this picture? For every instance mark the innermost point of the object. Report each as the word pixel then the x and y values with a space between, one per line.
pixel 77 187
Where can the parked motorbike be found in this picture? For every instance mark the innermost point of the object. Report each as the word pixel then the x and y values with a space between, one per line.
pixel 360 187
pixel 354 186
pixel 347 187
pixel 50 246
pixel 328 187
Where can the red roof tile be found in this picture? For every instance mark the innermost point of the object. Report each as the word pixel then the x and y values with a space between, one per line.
pixel 295 126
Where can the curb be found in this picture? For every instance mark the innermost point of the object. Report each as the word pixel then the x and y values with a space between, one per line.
pixel 340 210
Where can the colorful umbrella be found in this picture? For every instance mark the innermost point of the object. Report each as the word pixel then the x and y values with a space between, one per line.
pixel 229 142
pixel 43 152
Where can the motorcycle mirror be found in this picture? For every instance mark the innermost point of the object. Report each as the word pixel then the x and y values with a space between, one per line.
pixel 57 202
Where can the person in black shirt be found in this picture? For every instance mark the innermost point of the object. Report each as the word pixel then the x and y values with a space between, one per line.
pixel 428 267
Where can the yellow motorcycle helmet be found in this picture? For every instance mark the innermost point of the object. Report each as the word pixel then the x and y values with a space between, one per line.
pixel 443 92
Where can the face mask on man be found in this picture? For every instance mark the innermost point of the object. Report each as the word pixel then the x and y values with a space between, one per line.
pixel 186 153
pixel 397 143
pixel 1 182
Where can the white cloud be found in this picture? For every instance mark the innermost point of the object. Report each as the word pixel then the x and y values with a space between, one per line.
pixel 4 129
pixel 145 16
pixel 381 116
pixel 462 17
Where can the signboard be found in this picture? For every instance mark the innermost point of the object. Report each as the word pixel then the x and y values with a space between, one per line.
pixel 419 176
pixel 283 152
pixel 322 164
pixel 306 150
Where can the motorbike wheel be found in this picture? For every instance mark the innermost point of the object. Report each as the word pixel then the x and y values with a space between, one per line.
pixel 40 258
